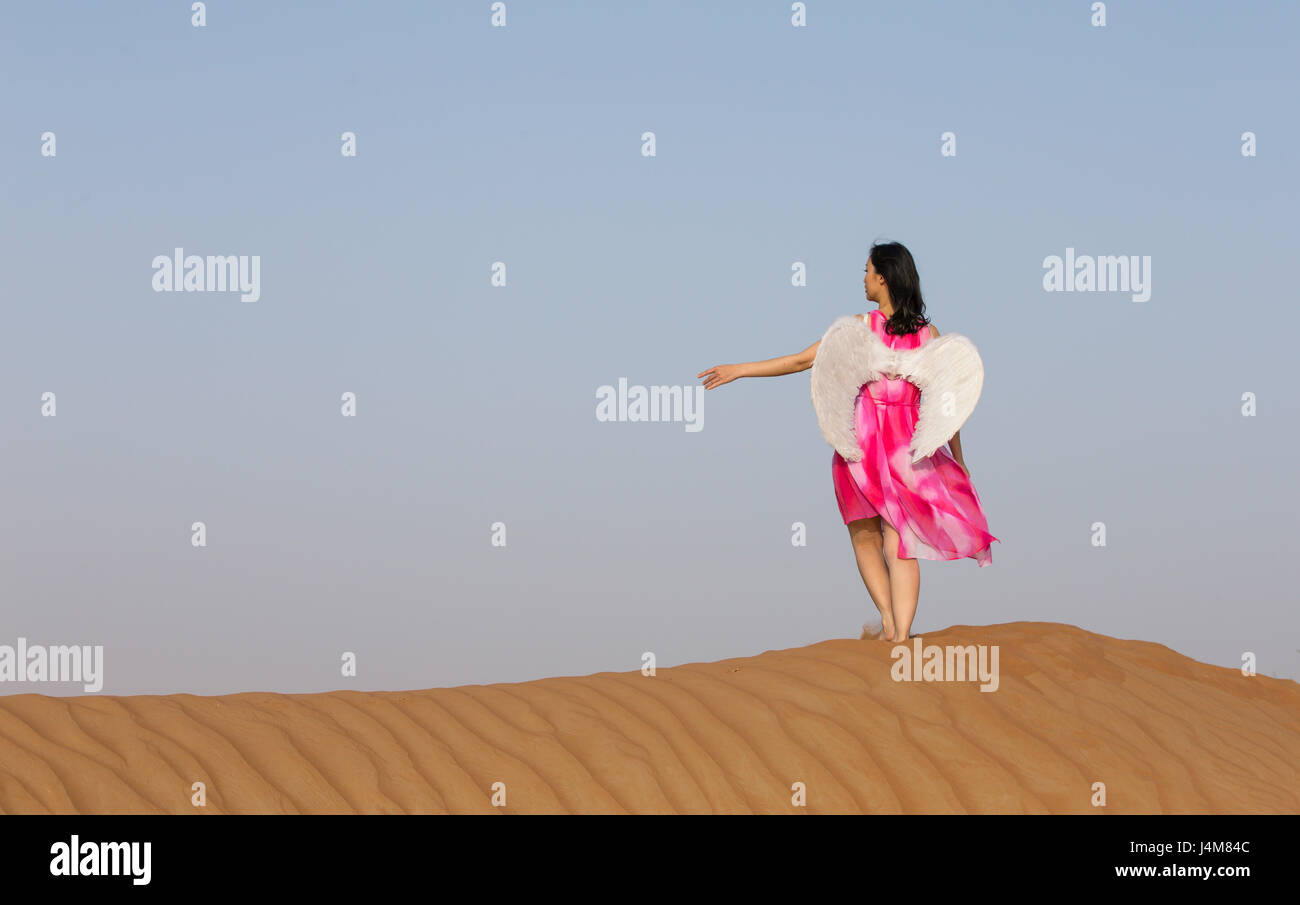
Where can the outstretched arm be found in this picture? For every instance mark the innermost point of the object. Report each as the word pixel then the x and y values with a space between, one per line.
pixel 772 367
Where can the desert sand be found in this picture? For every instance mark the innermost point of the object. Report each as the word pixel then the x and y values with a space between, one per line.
pixel 1164 733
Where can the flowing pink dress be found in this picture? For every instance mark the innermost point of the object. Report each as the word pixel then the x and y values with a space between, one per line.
pixel 932 504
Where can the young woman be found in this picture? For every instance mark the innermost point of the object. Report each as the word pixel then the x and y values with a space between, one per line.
pixel 896 512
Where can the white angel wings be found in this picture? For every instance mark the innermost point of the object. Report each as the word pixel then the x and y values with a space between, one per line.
pixel 947 370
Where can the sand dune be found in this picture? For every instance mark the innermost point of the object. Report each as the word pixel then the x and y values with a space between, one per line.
pixel 1164 733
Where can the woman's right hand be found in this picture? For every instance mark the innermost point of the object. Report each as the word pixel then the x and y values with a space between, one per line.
pixel 720 374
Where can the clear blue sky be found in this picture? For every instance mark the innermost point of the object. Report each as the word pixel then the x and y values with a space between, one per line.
pixel 476 404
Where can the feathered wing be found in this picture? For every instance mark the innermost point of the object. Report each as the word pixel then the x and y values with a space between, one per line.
pixel 849 356
pixel 948 372
pixel 950 375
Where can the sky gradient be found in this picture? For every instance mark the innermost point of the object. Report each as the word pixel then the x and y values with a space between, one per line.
pixel 476 404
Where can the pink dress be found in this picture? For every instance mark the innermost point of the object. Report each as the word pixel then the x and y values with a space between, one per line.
pixel 932 504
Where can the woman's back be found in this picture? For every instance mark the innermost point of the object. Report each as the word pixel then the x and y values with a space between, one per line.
pixel 896 391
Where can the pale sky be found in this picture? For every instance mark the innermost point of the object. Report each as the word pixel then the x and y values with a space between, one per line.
pixel 476 404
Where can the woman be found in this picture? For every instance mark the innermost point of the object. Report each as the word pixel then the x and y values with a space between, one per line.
pixel 896 512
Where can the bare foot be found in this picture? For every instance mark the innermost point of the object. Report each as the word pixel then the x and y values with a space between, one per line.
pixel 872 631
pixel 886 626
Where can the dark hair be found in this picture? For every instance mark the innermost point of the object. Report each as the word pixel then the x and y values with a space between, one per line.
pixel 895 265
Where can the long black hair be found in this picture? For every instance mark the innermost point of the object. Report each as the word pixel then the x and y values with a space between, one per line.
pixel 894 263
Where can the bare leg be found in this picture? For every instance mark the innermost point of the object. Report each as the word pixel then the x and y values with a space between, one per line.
pixel 904 584
pixel 867 544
